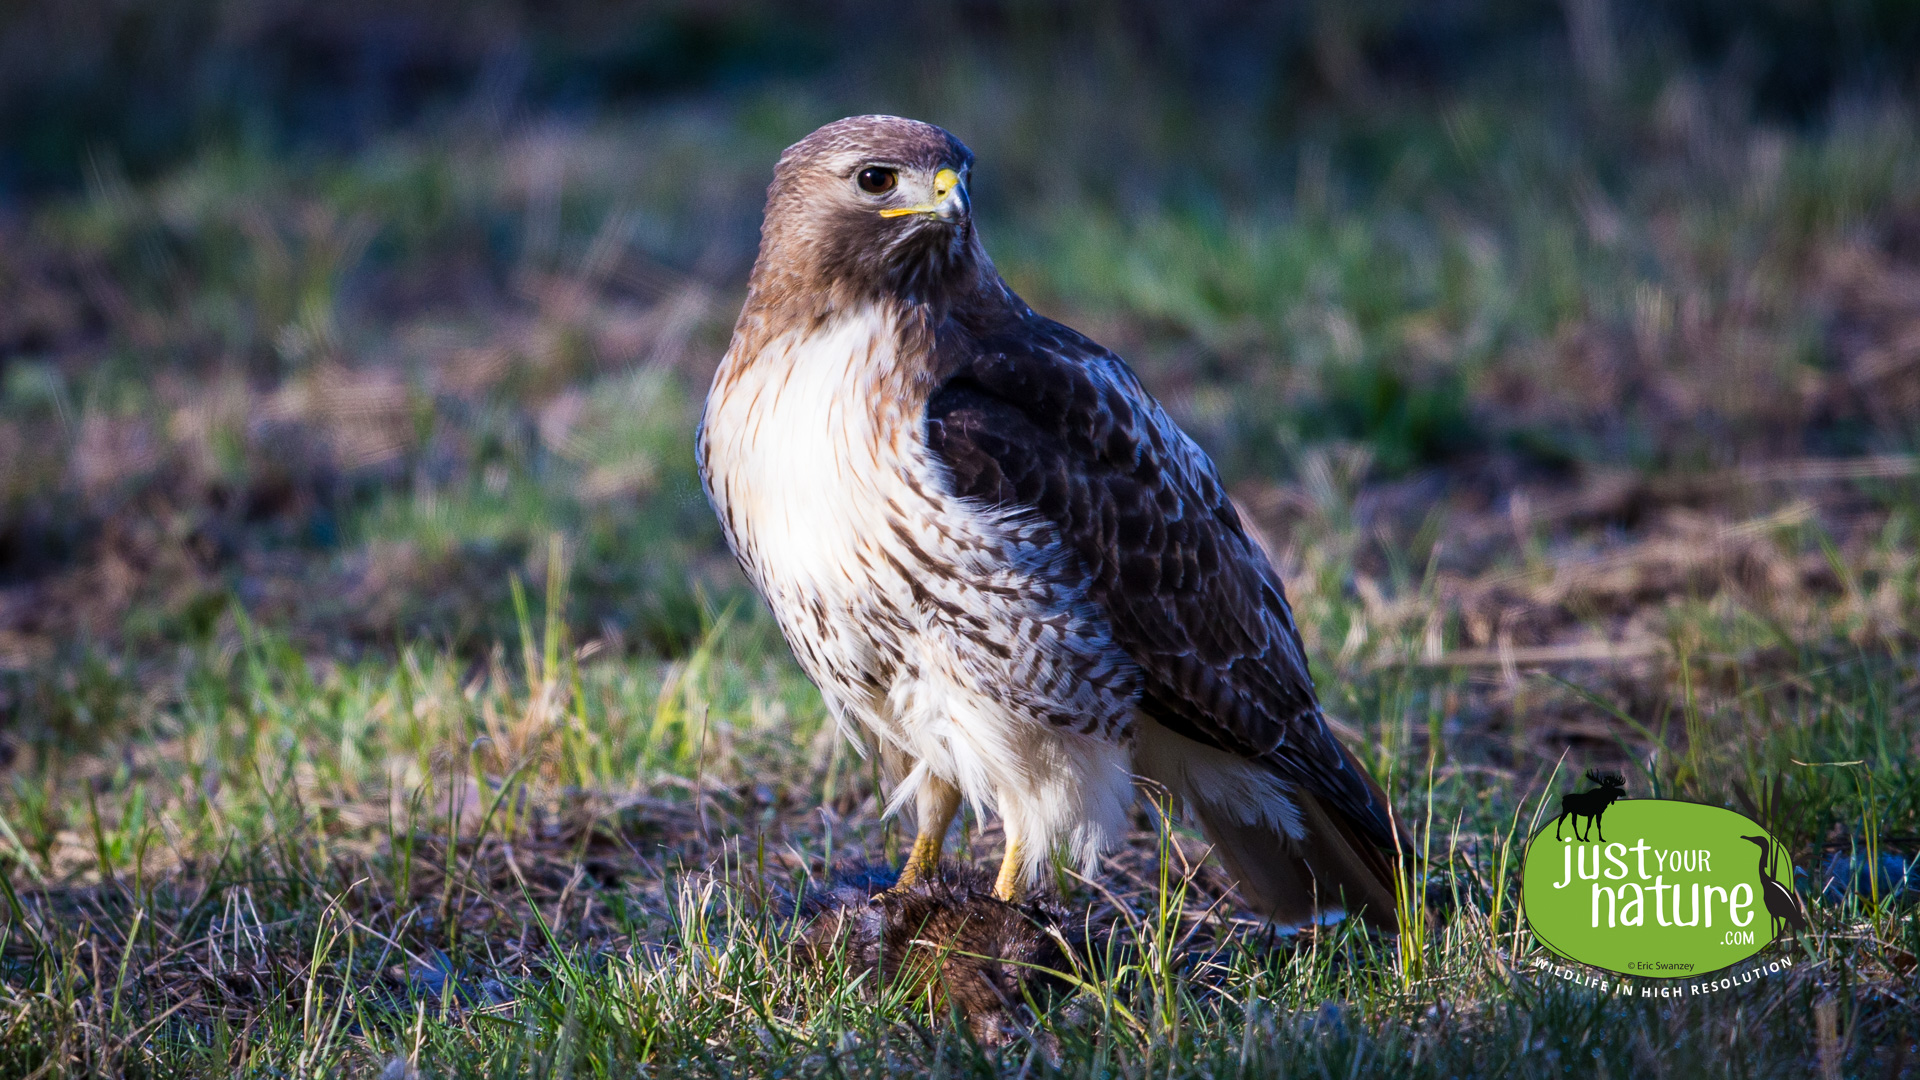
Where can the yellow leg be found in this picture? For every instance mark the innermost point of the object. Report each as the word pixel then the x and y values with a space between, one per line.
pixel 1013 868
pixel 937 803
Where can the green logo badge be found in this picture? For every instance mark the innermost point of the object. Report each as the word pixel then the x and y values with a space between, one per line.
pixel 1655 888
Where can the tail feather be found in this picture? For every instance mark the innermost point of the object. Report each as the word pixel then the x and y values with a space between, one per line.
pixel 1332 868
pixel 1296 858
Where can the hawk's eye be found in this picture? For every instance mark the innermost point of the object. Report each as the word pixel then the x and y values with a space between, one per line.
pixel 875 180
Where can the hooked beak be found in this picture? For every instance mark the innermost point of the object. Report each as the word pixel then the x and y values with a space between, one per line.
pixel 949 202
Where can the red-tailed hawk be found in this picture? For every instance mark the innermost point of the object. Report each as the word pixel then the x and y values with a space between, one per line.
pixel 992 549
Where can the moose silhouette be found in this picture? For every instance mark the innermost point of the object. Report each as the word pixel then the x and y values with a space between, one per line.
pixel 1590 804
pixel 1782 905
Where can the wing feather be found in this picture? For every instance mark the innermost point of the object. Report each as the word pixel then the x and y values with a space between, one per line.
pixel 1035 416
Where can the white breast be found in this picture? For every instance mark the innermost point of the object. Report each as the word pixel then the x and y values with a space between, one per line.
pixel 946 629
pixel 796 447
pixel 805 450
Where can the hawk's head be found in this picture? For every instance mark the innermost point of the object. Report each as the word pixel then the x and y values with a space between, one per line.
pixel 870 207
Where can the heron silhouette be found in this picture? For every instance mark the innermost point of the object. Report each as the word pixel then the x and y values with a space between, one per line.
pixel 1780 901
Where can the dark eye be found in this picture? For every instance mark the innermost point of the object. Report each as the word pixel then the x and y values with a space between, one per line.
pixel 875 180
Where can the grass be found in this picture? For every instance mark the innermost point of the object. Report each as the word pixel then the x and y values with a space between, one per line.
pixel 379 699
pixel 548 864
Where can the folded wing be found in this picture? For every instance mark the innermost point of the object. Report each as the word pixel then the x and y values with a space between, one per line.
pixel 1035 416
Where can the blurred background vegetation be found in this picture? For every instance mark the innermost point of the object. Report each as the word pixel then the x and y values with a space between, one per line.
pixel 334 310
pixel 1569 354
pixel 324 317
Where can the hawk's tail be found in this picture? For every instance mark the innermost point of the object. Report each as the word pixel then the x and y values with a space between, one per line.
pixel 1331 869
pixel 1296 858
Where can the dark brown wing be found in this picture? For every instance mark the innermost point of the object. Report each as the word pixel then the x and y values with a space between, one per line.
pixel 1035 416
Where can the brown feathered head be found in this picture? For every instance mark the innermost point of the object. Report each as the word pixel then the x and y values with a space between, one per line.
pixel 866 208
